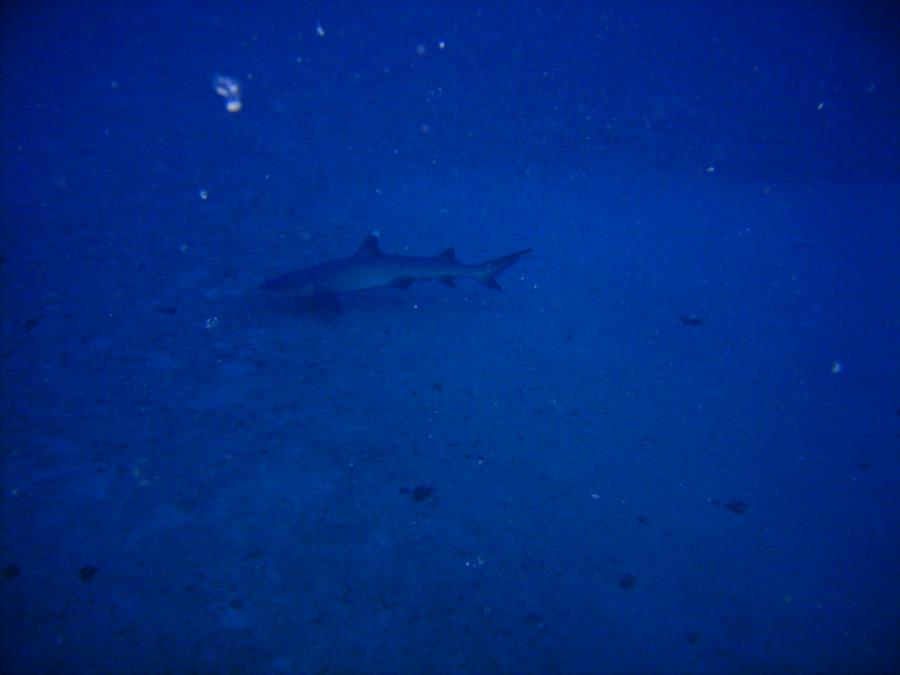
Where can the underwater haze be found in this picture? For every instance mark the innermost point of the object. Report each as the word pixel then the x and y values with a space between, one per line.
pixel 670 444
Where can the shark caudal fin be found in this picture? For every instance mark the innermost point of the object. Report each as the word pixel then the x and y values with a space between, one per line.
pixel 487 272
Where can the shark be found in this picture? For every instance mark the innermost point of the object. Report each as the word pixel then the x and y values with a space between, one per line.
pixel 368 267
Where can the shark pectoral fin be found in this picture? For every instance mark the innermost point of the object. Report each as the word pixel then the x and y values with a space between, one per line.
pixel 448 281
pixel 324 298
pixel 402 282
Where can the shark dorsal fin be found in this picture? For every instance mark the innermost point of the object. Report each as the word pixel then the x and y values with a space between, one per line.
pixel 369 248
pixel 449 255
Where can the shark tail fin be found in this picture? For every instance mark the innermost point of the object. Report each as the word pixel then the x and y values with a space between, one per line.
pixel 488 271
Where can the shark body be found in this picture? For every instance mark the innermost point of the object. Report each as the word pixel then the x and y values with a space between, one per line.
pixel 370 268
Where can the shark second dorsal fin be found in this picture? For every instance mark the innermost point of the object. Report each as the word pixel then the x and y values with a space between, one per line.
pixel 449 255
pixel 369 248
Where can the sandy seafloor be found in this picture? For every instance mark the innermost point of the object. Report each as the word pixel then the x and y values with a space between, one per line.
pixel 198 477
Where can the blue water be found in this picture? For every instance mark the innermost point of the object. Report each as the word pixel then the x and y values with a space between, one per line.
pixel 670 445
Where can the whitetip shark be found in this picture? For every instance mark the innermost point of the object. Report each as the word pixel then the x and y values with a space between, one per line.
pixel 370 268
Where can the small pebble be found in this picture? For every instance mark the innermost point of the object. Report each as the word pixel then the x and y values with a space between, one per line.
pixel 422 492
pixel 736 506
pixel 87 573
pixel 627 582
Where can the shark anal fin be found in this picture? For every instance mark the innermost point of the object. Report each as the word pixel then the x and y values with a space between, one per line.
pixel 449 255
pixel 369 248
pixel 448 281
pixel 402 282
pixel 492 283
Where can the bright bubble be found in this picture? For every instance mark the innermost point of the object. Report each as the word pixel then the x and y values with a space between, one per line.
pixel 229 89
